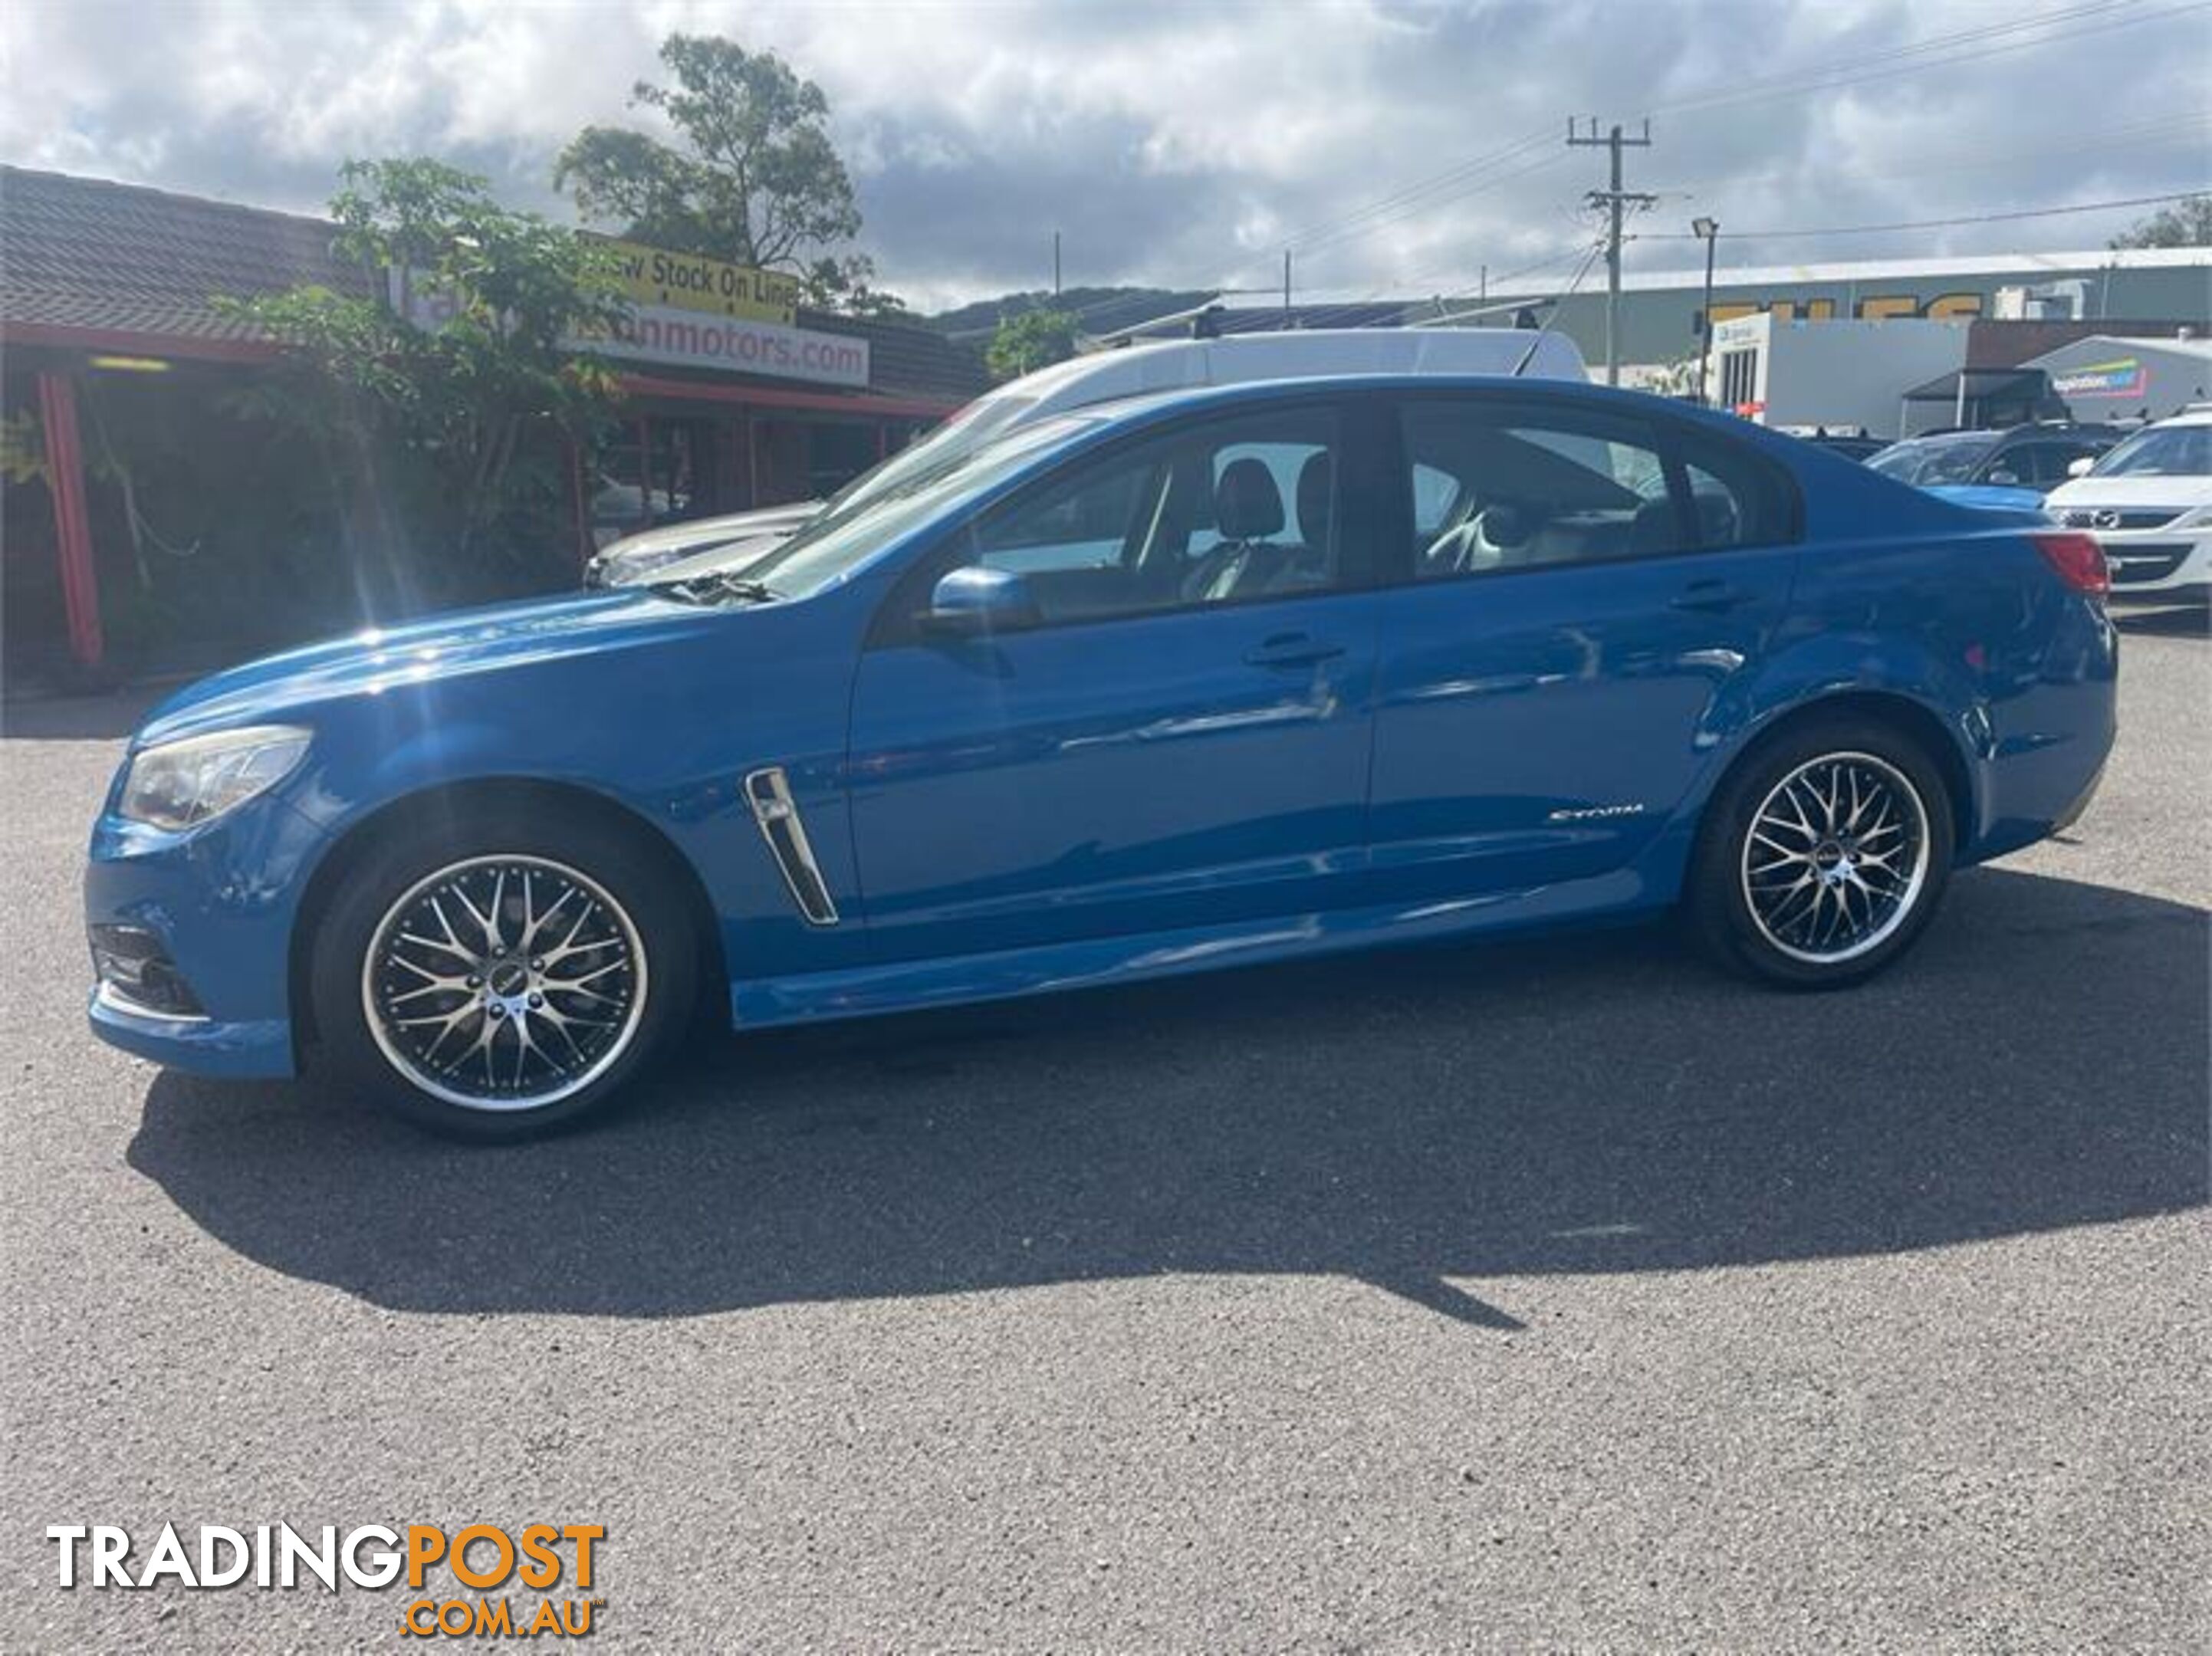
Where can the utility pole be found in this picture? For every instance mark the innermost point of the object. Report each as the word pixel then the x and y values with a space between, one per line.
pixel 1613 199
pixel 1055 264
pixel 1286 287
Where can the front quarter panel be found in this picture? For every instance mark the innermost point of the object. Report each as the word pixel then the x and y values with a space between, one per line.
pixel 663 720
pixel 667 728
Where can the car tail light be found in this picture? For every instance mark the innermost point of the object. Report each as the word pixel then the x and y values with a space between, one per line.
pixel 2078 560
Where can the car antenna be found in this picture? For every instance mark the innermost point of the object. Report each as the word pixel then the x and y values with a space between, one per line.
pixel 1557 305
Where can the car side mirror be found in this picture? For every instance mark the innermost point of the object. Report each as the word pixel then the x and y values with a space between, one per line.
pixel 2081 467
pixel 976 602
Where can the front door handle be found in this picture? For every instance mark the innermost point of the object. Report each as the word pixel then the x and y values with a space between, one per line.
pixel 1292 650
pixel 1711 596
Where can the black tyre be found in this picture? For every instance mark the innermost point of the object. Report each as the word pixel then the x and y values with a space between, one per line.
pixel 1824 855
pixel 504 975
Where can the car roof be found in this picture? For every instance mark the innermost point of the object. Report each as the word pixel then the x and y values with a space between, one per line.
pixel 1245 359
pixel 1125 410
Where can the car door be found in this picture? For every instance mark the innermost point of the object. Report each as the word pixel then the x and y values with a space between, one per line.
pixel 1182 737
pixel 1575 597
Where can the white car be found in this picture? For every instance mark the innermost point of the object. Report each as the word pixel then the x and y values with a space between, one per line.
pixel 2149 504
pixel 1105 377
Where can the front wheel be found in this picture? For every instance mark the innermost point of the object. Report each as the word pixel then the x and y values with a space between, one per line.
pixel 501 979
pixel 1824 857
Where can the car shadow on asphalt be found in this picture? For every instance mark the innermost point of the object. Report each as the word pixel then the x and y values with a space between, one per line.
pixel 2173 621
pixel 1415 1120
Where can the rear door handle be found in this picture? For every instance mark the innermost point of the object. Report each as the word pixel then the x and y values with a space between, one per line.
pixel 1711 596
pixel 1292 650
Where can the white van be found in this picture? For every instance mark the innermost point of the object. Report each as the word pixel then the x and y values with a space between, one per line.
pixel 1105 377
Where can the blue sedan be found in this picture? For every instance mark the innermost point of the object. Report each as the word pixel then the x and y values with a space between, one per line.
pixel 1171 683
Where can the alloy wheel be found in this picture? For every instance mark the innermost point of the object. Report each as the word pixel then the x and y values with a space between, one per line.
pixel 1835 857
pixel 504 982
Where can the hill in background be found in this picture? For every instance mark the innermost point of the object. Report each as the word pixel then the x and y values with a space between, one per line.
pixel 1102 309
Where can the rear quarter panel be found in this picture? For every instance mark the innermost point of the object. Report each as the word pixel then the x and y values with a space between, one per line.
pixel 1902 595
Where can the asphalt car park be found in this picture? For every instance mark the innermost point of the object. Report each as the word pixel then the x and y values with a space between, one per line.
pixel 1533 1294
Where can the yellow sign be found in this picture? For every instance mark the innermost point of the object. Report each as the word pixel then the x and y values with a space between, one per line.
pixel 691 282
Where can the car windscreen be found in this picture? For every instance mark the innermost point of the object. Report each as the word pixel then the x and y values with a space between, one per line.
pixel 2160 452
pixel 835 543
pixel 972 427
pixel 1924 460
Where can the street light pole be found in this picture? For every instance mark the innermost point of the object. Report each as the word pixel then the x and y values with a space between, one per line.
pixel 1709 232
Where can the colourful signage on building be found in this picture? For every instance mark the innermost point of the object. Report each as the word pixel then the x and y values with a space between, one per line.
pixel 2123 376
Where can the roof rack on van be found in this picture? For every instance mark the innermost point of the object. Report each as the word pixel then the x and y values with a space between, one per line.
pixel 1518 309
pixel 1115 337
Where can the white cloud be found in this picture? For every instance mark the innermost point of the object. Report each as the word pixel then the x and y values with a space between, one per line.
pixel 1181 143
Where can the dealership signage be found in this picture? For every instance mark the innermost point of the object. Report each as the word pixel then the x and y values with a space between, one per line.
pixel 687 312
pixel 687 338
pixel 654 277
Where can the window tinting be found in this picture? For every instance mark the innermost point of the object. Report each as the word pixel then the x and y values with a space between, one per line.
pixel 1737 496
pixel 1528 487
pixel 1231 510
pixel 1529 492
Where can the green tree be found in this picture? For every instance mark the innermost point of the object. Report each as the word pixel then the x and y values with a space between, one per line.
pixel 445 397
pixel 752 176
pixel 2186 223
pixel 1035 339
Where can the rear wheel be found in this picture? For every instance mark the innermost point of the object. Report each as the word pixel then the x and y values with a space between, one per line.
pixel 499 979
pixel 1824 855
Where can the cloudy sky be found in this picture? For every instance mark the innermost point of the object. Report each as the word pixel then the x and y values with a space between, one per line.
pixel 1396 146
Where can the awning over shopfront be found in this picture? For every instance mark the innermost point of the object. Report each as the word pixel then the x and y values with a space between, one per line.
pixel 736 394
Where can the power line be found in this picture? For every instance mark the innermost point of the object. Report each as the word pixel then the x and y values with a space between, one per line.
pixel 2152 133
pixel 1440 192
pixel 1940 224
pixel 1935 51
pixel 1307 235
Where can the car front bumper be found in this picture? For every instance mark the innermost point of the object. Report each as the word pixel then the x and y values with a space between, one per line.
pixel 2157 560
pixel 218 904
pixel 230 1049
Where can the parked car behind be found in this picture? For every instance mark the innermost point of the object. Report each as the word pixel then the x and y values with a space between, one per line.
pixel 1993 497
pixel 1237 359
pixel 1851 445
pixel 1178 682
pixel 2035 458
pixel 2149 504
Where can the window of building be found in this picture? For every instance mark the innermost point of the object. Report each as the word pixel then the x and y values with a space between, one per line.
pixel 1739 377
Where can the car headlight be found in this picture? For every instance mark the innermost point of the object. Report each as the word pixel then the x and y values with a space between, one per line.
pixel 182 784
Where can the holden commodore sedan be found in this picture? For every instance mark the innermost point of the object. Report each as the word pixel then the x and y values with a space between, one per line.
pixel 1167 684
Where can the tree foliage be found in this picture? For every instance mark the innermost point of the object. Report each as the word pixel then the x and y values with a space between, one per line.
pixel 445 398
pixel 1033 340
pixel 751 177
pixel 2186 223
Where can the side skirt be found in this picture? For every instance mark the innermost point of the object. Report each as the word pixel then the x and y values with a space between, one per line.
pixel 1089 963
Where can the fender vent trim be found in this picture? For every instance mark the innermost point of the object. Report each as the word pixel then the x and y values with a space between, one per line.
pixel 767 792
